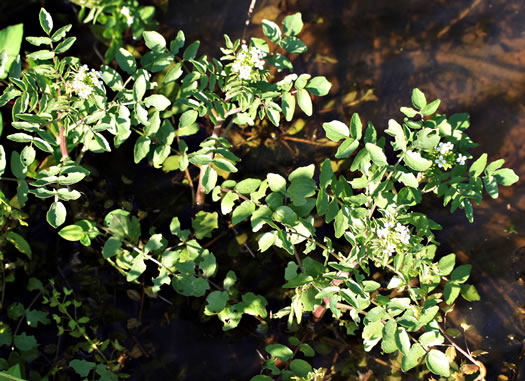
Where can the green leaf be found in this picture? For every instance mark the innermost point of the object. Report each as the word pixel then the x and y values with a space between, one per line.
pixel 410 112
pixel 302 80
pixel 418 99
pixel 304 101
pixel 469 293
pixel 176 230
pixel 41 55
pixel 204 223
pixel 377 154
pixel 271 30
pixel 326 174
pixel 282 352
pixel 505 177
pixel 37 41
pixel 293 45
pixel 395 130
pixel 156 242
pixel 112 78
pixel 3 161
pixel 56 214
pixel 65 45
pixel 416 162
pixel 27 156
pixel 431 338
pixel 178 43
pixel 478 166
pixel 191 51
pixel 137 268
pixel 266 240
pixel 71 233
pixel 300 367
pixel 293 24
pixel 281 62
pixel 336 130
pixel 82 367
pixel 174 73
pixel 188 118
pixel 288 106
pixel 142 147
pixel 139 87
pixel 388 345
pixel 446 264
pixel 224 165
pixel 61 33
pixel 300 189
pixel 372 334
pixel 111 247
pixel 356 127
pixel 19 242
pixel 412 358
pixel 319 86
pixel 243 211
pixel 307 350
pixel 159 101
pixel 451 292
pixel 491 185
pixel 285 215
pixel 46 21
pixel 438 363
pixel 247 186
pixel 461 273
pixel 261 377
pixel 216 301
pixel 276 182
pixel 126 61
pixel 228 201
pixel 24 342
pixel 431 108
pixel 409 180
pixel 402 341
pixel 10 41
pixel 21 192
pixel 34 317
pixel 154 41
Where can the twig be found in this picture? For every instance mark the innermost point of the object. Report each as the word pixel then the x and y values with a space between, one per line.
pixel 482 368
pixel 244 244
pixel 461 16
pixel 248 20
pixel 201 192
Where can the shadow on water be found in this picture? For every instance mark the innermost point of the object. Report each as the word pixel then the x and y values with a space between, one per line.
pixel 469 53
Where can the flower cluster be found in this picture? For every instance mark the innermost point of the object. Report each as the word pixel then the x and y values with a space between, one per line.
pixel 393 238
pixel 446 157
pixel 85 81
pixel 248 60
pixel 125 11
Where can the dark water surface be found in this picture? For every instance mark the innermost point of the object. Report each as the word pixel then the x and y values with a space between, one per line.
pixel 468 53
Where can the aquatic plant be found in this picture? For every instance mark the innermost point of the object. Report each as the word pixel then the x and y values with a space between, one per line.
pixel 337 227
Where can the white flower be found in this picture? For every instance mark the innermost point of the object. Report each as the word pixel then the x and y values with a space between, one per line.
pixel 443 148
pixel 126 12
pixel 85 81
pixel 392 239
pixel 247 61
pixel 461 159
pixel 382 232
pixel 440 161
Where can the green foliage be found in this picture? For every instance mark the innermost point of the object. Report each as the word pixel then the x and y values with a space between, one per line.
pixel 61 111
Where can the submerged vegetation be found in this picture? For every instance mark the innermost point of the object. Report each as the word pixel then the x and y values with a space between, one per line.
pixel 351 246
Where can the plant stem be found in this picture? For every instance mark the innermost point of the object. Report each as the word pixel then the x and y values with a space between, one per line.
pixel 248 20
pixel 482 369
pixel 201 192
